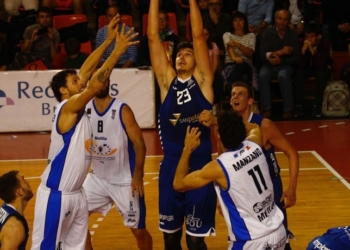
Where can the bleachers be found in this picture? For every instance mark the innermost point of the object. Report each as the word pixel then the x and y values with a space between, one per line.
pixel 172 23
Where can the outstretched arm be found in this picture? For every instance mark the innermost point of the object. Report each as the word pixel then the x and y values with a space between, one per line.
pixel 93 60
pixel 163 70
pixel 203 72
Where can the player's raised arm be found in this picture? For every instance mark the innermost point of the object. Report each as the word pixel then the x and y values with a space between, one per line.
pixel 162 68
pixel 203 72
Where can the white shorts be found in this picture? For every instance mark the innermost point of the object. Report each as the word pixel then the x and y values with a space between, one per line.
pixel 60 220
pixel 273 241
pixel 101 195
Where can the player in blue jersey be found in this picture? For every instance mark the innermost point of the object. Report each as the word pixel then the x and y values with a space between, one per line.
pixel 15 191
pixel 337 238
pixel 241 101
pixel 241 171
pixel 61 212
pixel 184 94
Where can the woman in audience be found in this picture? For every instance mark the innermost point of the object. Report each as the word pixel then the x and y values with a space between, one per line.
pixel 239 49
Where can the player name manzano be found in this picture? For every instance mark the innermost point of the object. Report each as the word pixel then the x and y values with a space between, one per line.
pixel 240 164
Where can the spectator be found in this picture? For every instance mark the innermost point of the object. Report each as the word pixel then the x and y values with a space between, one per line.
pixel 129 58
pixel 40 41
pixel 259 14
pixel 12 6
pixel 240 47
pixel 167 36
pixel 75 58
pixel 203 7
pixel 217 23
pixel 215 64
pixel 314 60
pixel 302 13
pixel 76 5
pixel 336 21
pixel 279 55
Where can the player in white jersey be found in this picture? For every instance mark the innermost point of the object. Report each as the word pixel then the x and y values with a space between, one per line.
pixel 118 157
pixel 61 213
pixel 242 182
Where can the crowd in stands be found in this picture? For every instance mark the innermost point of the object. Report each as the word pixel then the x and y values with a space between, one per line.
pixel 285 41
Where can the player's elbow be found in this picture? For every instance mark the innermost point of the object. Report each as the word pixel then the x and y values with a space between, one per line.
pixel 178 186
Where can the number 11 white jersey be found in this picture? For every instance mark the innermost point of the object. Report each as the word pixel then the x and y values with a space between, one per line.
pixel 248 203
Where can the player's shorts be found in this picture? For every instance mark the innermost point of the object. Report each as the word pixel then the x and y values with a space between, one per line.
pixel 60 220
pixel 275 240
pixel 196 207
pixel 101 195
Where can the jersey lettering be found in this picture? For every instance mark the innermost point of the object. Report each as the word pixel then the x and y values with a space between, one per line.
pixel 183 96
pixel 255 179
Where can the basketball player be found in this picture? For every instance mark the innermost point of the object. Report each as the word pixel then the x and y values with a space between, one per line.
pixel 184 94
pixel 15 191
pixel 241 100
pixel 337 238
pixel 61 213
pixel 242 183
pixel 118 157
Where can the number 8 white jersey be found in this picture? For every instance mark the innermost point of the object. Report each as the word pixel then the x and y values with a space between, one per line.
pixel 248 203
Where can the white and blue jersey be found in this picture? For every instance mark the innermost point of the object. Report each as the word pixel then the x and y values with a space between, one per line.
pixel 181 108
pixel 6 211
pixel 248 203
pixel 61 214
pixel 337 238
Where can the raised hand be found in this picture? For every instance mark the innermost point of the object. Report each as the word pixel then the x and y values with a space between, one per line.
pixel 112 27
pixel 192 139
pixel 123 40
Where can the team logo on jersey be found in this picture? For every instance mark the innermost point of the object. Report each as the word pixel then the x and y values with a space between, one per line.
pixel 174 121
pixel 88 145
pixel 3 215
pixel 5 100
pixel 113 113
pixel 247 147
pixel 102 149
pixel 193 222
pixel 259 206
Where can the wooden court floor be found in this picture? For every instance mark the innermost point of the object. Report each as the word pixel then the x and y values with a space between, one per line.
pixel 323 192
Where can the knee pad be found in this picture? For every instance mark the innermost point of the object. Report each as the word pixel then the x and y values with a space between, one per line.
pixel 172 241
pixel 195 243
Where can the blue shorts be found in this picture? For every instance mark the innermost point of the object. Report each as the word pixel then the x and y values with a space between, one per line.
pixel 197 207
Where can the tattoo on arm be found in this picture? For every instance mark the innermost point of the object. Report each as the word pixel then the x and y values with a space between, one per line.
pixel 103 76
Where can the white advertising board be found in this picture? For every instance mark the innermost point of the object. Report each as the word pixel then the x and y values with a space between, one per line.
pixel 27 102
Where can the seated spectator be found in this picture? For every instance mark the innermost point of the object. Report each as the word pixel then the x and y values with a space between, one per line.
pixel 166 35
pixel 203 7
pixel 217 23
pixel 12 6
pixel 75 58
pixel 215 63
pixel 279 54
pixel 76 5
pixel 240 47
pixel 259 14
pixel 40 41
pixel 126 60
pixel 314 60
pixel 302 13
pixel 336 20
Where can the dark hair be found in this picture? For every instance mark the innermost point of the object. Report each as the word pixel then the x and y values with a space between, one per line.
pixel 240 15
pixel 245 85
pixel 8 185
pixel 312 28
pixel 44 9
pixel 72 46
pixel 231 129
pixel 210 38
pixel 113 5
pixel 163 11
pixel 60 80
pixel 184 45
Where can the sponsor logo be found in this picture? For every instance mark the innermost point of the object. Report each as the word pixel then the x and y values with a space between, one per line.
pixel 274 163
pixel 131 220
pixel 190 119
pixel 5 100
pixel 193 222
pixel 113 113
pixel 101 149
pixel 176 116
pixel 276 246
pixel 247 159
pixel 263 215
pixel 166 217
pixel 68 213
pixel 319 245
pixel 3 215
pixel 259 206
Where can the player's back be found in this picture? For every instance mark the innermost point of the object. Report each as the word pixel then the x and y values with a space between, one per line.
pixel 248 204
pixel 69 155
pixel 181 108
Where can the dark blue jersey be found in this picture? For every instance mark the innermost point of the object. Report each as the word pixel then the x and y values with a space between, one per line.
pixel 337 238
pixel 5 213
pixel 181 108
pixel 270 153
